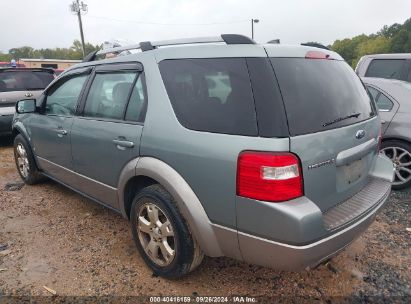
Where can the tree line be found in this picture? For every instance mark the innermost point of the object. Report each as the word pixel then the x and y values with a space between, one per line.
pixel 390 39
pixel 74 52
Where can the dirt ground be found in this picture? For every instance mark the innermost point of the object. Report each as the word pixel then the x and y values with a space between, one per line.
pixel 56 238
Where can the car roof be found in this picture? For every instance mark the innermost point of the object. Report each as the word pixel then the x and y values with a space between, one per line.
pixel 214 50
pixel 389 56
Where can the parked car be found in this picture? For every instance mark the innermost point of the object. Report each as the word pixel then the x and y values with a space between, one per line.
pixel 391 66
pixel 393 99
pixel 197 147
pixel 16 84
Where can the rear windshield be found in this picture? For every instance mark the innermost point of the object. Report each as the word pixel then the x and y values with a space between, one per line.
pixel 24 80
pixel 386 68
pixel 212 94
pixel 321 94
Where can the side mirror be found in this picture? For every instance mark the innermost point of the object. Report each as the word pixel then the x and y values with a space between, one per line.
pixel 26 106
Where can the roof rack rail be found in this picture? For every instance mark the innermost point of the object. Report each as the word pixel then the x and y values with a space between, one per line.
pixel 147 45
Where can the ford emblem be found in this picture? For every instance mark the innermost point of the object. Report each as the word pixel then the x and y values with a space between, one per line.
pixel 360 134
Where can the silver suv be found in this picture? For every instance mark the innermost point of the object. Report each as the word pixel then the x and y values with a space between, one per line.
pixel 216 146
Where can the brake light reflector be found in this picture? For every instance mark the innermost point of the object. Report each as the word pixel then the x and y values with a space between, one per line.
pixel 317 55
pixel 272 177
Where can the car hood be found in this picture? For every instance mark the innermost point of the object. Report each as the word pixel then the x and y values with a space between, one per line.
pixel 10 98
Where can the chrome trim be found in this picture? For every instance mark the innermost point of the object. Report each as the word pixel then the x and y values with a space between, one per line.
pixel 347 156
pixel 101 192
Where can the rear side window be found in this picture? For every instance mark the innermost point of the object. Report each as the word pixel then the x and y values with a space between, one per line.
pixel 212 95
pixel 321 94
pixel 386 68
pixel 383 102
pixel 24 80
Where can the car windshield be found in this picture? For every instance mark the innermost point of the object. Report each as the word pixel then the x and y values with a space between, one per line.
pixel 24 80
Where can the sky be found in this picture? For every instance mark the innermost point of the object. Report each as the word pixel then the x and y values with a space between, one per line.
pixel 49 23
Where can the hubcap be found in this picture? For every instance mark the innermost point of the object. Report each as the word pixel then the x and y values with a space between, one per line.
pixel 156 234
pixel 22 160
pixel 402 164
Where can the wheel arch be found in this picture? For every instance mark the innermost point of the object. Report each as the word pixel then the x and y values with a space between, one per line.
pixel 144 171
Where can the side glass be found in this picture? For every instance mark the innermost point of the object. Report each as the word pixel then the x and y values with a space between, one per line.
pixel 108 95
pixel 63 99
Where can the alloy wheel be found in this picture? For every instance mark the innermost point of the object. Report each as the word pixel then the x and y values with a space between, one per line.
pixel 156 234
pixel 402 164
pixel 22 160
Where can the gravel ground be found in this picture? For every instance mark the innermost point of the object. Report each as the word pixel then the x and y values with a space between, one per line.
pixel 61 240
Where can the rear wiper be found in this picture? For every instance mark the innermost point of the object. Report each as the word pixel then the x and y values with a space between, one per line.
pixel 341 118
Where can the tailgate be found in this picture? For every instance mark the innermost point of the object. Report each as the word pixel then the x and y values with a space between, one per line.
pixel 335 163
pixel 333 126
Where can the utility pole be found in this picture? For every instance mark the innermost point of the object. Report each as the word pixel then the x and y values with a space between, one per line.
pixel 252 26
pixel 77 8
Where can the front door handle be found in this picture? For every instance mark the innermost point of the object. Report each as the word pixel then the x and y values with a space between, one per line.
pixel 122 143
pixel 61 132
pixel 383 122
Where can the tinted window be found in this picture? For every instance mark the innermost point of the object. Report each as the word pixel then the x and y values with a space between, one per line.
pixel 386 68
pixel 108 95
pixel 62 99
pixel 321 94
pixel 24 80
pixel 211 95
pixel 384 103
pixel 137 104
pixel 373 92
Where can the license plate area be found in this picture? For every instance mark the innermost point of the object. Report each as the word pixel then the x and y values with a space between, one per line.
pixel 354 171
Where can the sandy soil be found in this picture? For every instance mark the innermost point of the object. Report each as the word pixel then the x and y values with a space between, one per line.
pixel 59 239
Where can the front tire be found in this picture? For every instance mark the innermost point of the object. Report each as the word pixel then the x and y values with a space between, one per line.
pixel 400 154
pixel 161 235
pixel 26 166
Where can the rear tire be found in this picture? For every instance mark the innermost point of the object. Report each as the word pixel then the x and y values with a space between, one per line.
pixel 24 158
pixel 161 234
pixel 400 153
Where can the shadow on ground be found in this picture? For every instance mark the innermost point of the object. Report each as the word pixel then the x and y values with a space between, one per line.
pixel 6 141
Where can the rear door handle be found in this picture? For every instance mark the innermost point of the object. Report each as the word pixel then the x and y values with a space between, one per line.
pixel 122 143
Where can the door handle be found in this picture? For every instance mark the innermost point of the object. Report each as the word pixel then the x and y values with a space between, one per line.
pixel 383 122
pixel 121 143
pixel 61 132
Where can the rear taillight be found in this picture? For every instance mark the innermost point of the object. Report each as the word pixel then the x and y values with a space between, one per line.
pixel 266 176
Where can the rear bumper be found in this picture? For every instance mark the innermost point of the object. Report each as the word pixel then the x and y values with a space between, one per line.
pixel 5 124
pixel 283 256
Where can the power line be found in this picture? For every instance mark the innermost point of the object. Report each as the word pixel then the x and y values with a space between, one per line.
pixel 159 23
